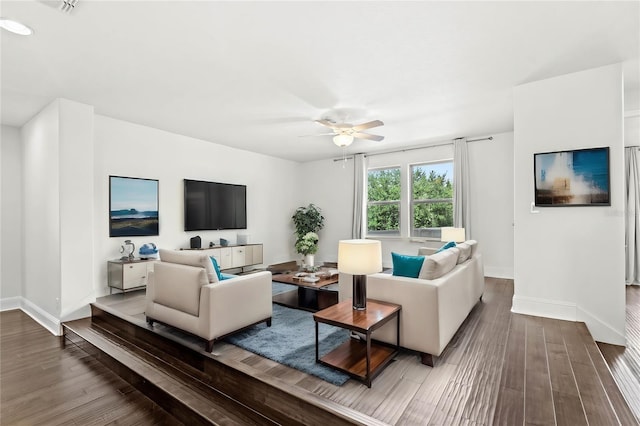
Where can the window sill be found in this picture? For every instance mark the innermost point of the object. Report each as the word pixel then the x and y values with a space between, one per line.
pixel 419 240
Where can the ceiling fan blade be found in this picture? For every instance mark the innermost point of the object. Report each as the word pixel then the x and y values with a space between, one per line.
pixel 368 136
pixel 370 124
pixel 316 134
pixel 326 123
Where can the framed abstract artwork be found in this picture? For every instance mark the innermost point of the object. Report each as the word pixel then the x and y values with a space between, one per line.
pixel 133 207
pixel 572 178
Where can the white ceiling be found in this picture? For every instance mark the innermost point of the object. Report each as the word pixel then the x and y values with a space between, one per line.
pixel 254 75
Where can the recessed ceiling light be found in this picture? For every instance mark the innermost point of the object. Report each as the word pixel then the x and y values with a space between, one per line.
pixel 15 27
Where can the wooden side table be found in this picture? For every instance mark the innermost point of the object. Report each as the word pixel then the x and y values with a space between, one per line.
pixel 361 360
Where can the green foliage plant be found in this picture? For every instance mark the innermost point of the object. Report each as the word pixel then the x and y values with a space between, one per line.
pixel 307 220
pixel 308 244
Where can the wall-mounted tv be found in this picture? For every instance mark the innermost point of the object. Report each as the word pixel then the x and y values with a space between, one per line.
pixel 213 206
pixel 578 177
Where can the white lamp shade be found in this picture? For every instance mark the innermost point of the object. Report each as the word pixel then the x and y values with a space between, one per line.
pixel 452 234
pixel 359 257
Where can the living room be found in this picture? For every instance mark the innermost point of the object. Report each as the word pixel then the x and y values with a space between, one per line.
pixel 547 254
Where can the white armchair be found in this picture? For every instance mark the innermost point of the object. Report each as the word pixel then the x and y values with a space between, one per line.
pixel 184 292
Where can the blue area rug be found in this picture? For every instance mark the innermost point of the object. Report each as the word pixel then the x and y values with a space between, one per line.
pixel 291 341
pixel 277 288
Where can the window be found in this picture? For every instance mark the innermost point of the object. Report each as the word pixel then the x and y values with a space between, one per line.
pixel 431 198
pixel 383 201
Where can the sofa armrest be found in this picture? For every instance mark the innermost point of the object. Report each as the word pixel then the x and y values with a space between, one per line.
pixel 432 310
pixel 236 303
pixel 419 325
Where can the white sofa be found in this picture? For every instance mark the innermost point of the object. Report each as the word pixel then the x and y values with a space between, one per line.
pixel 432 309
pixel 183 291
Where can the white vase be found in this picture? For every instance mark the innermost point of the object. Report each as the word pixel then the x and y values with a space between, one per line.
pixel 308 260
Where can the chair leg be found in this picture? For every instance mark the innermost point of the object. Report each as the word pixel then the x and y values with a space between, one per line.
pixel 426 359
pixel 268 322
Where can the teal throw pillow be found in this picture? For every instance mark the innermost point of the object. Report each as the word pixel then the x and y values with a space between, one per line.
pixel 226 276
pixel 406 266
pixel 446 246
pixel 216 267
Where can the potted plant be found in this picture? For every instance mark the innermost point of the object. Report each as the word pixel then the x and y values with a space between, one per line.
pixel 308 246
pixel 308 221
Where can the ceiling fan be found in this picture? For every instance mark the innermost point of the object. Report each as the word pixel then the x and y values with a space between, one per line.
pixel 344 133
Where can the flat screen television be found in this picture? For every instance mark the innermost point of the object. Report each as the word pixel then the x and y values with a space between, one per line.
pixel 578 177
pixel 213 206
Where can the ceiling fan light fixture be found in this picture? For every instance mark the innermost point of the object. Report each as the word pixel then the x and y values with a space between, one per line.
pixel 343 140
pixel 15 27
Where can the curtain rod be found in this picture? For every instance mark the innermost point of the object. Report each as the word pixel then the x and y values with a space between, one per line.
pixel 490 138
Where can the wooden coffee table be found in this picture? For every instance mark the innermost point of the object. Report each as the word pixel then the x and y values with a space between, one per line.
pixel 361 360
pixel 310 296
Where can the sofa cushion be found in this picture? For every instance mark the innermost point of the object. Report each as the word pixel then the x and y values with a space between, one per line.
pixel 406 266
pixel 465 252
pixel 178 286
pixel 474 246
pixel 190 258
pixel 216 268
pixel 446 246
pixel 439 264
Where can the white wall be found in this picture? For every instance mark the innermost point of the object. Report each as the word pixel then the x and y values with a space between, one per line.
pixel 76 199
pixel 11 217
pixel 569 262
pixel 632 129
pixel 41 211
pixel 127 149
pixel 58 225
pixel 491 179
pixel 329 185
pixel 491 164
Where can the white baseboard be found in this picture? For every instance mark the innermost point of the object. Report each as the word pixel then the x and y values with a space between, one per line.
pixel 39 315
pixel 42 317
pixel 544 308
pixel 601 331
pixel 9 303
pixel 498 272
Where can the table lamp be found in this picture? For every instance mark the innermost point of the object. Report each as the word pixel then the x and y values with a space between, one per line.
pixel 359 258
pixel 452 234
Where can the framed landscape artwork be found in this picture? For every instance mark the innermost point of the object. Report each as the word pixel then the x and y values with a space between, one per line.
pixel 133 207
pixel 572 178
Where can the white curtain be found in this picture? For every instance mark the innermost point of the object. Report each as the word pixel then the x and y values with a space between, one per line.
pixel 359 170
pixel 632 223
pixel 461 190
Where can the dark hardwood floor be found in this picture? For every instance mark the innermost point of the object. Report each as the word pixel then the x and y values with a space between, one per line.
pixel 624 362
pixel 43 381
pixel 500 368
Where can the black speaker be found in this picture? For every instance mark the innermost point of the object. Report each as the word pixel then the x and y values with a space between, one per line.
pixel 196 242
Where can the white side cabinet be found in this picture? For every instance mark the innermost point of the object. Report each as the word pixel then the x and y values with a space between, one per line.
pixel 126 275
pixel 236 256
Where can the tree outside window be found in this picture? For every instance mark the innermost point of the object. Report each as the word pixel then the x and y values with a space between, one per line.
pixel 383 203
pixel 431 198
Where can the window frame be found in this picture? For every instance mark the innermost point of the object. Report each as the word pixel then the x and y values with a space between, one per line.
pixel 412 202
pixel 399 203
